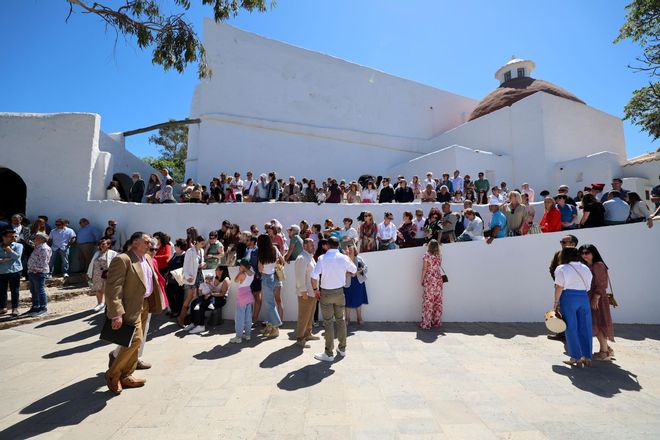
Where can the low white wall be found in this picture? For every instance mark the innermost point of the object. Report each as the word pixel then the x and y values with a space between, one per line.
pixel 507 281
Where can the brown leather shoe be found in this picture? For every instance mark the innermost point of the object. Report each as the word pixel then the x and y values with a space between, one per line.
pixel 132 382
pixel 111 359
pixel 142 365
pixel 114 384
pixel 312 338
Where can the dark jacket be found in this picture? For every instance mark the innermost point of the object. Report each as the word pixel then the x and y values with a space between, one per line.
pixel 386 195
pixel 404 195
pixel 136 192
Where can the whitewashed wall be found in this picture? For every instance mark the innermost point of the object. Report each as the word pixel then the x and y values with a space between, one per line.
pixel 507 281
pixel 282 105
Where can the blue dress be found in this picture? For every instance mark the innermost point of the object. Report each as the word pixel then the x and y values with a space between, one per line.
pixel 356 294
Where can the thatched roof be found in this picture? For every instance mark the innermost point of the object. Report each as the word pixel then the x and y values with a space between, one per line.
pixel 512 91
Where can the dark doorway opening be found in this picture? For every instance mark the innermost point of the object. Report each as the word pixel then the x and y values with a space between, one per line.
pixel 125 183
pixel 13 195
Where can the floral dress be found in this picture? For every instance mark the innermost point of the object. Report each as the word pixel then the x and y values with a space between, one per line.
pixel 367 237
pixel 432 298
pixel 100 265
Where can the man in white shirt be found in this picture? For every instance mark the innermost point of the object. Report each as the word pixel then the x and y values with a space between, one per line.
pixel 418 221
pixel 304 266
pixel 457 181
pixel 238 184
pixel 334 267
pixel 386 236
pixel 249 187
pixel 429 180
pixel 60 239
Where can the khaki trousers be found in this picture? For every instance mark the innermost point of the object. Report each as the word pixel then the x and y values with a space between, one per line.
pixel 126 361
pixel 333 303
pixel 306 307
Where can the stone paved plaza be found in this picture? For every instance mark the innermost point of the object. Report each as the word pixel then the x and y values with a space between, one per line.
pixel 469 381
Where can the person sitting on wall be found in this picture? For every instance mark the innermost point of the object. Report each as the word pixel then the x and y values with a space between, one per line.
pixel 403 193
pixel 386 194
pixel 387 233
pixel 443 195
pixel 616 210
pixel 497 226
pixel 563 189
pixel 449 221
pixel 616 186
pixel 446 181
pixel 515 213
pixel 474 229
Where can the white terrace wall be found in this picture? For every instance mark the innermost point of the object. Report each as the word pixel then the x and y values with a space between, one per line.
pixel 507 281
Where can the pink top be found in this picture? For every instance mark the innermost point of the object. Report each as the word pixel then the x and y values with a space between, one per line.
pixel 244 296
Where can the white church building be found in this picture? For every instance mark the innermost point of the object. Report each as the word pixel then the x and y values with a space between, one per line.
pixel 273 106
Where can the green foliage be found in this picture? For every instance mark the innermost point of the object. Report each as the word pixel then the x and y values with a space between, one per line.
pixel 173 149
pixel 174 42
pixel 643 27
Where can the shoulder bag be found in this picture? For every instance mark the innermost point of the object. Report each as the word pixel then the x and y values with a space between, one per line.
pixel 610 295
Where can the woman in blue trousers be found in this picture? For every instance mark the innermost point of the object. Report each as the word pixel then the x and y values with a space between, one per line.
pixel 572 281
pixel 268 256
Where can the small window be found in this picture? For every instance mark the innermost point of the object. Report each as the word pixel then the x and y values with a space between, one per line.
pixel 521 72
pixel 507 76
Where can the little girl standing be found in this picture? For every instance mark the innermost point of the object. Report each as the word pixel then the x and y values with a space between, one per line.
pixel 244 300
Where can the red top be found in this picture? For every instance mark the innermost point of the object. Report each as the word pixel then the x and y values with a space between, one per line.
pixel 551 221
pixel 163 255
pixel 161 280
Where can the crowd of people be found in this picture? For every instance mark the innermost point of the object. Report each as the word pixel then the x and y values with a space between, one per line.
pixel 329 271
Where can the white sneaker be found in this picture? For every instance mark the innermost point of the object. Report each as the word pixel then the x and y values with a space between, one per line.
pixel 341 353
pixel 323 357
pixel 211 307
pixel 65 275
pixel 197 329
pixel 247 338
pixel 196 307
pixel 236 340
pixel 99 307
pixel 189 327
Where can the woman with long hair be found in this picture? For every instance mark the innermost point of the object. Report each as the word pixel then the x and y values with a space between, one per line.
pixel 551 220
pixel 193 263
pixel 267 257
pixel 367 233
pixel 639 210
pixel 175 292
pixel 353 195
pixel 153 185
pixel 98 270
pixel 369 194
pixel 355 289
pixel 310 192
pixel 416 187
pixel 164 252
pixel 432 285
pixel 112 191
pixel 572 281
pixel 531 212
pixel 601 317
pixel 593 213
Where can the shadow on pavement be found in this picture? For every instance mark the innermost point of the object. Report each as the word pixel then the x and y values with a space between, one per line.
pixel 229 349
pixel 604 379
pixel 95 324
pixel 75 350
pixel 67 318
pixel 65 407
pixel 307 376
pixel 281 356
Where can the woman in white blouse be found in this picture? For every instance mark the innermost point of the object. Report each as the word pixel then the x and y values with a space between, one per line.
pixel 193 263
pixel 369 194
pixel 98 270
pixel 572 281
pixel 112 191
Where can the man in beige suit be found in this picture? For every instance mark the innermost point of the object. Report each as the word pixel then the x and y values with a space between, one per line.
pixel 131 293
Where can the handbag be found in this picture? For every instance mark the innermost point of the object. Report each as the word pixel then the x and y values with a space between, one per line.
pixel 610 295
pixel 445 278
pixel 279 272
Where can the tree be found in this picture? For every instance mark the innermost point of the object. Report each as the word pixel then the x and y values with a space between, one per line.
pixel 643 27
pixel 173 143
pixel 174 41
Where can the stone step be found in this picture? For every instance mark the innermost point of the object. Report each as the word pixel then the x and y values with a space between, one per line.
pixel 72 280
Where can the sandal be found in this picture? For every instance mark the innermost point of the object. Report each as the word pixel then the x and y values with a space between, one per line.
pixel 573 363
pixel 602 356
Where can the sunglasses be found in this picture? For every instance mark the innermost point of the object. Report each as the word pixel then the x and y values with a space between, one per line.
pixel 153 249
pixel 586 252
pixel 565 241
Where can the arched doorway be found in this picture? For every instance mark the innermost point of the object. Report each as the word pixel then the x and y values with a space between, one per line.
pixel 13 195
pixel 125 182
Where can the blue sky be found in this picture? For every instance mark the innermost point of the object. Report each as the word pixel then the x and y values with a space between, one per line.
pixel 49 65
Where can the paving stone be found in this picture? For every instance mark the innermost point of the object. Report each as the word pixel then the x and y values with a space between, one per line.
pixel 470 381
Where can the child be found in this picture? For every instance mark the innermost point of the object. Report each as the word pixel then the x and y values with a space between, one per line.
pixel 229 191
pixel 244 300
pixel 206 290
